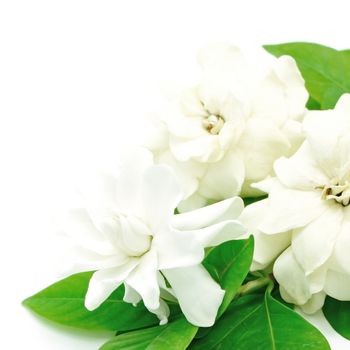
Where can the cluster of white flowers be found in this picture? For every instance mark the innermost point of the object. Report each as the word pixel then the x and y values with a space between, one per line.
pixel 305 221
pixel 225 133
pixel 129 234
pixel 230 135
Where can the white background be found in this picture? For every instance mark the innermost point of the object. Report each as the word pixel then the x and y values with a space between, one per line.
pixel 76 80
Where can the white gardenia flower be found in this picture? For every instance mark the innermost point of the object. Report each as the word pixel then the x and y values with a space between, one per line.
pixel 305 222
pixel 129 235
pixel 225 133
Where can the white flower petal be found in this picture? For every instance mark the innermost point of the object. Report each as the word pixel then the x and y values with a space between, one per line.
pixel 343 104
pixel 266 185
pixel 219 233
pixel 134 163
pixel 231 131
pixel 191 106
pixel 289 209
pixel 266 247
pixel 292 278
pixel 300 171
pixel 221 57
pixel 224 178
pixel 328 133
pixel 99 193
pixel 226 69
pixel 144 281
pixel 192 203
pixel 134 236
pixel 161 195
pixel 261 143
pixel 157 139
pixel 105 193
pixel 295 93
pixel 282 93
pixel 130 201
pixel 104 282
pixel 78 226
pixel 293 130
pixel 79 259
pixel 205 148
pixel 228 209
pixel 162 312
pixel 313 244
pixel 131 296
pixel 128 234
pixel 249 190
pixel 314 304
pixel 186 127
pixel 177 249
pixel 166 292
pixel 187 173
pixel 285 296
pixel 341 256
pixel 317 279
pixel 337 285
pixel 198 295
pixel 253 214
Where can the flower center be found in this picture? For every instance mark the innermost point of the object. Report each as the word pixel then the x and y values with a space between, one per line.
pixel 339 192
pixel 213 123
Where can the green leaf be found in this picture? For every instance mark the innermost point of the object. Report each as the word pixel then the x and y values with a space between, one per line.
pixel 338 315
pixel 63 302
pixel 260 322
pixel 346 53
pixel 175 335
pixel 326 71
pixel 313 104
pixel 229 265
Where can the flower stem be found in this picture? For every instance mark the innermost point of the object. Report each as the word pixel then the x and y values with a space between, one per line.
pixel 254 285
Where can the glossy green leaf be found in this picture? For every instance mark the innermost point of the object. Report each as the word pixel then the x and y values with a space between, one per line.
pixel 63 302
pixel 346 53
pixel 229 265
pixel 338 315
pixel 313 104
pixel 175 335
pixel 326 71
pixel 260 322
